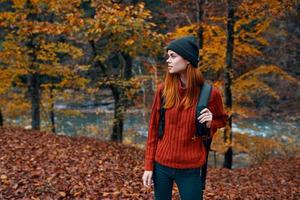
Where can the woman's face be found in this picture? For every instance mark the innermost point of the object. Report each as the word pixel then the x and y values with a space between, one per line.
pixel 176 63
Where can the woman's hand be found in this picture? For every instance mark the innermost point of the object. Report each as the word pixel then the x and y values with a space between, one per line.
pixel 205 116
pixel 147 178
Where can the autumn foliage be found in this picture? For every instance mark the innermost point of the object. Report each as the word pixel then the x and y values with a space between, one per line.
pixel 42 165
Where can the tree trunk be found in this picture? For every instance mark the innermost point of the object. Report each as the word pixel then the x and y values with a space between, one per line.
pixel 52 116
pixel 228 82
pixel 35 101
pixel 119 111
pixel 1 118
pixel 200 23
pixel 121 100
pixel 128 66
pixel 117 134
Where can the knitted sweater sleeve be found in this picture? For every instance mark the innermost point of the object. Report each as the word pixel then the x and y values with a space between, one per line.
pixel 216 107
pixel 152 139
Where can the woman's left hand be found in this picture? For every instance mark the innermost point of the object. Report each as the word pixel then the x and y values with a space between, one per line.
pixel 205 116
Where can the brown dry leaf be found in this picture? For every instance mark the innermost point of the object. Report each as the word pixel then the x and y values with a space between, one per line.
pixel 63 194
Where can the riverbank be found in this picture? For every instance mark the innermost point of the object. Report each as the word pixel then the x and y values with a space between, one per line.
pixel 43 165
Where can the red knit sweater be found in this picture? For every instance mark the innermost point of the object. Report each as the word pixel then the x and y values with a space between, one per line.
pixel 177 148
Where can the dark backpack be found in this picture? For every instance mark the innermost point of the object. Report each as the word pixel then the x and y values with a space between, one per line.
pixel 201 129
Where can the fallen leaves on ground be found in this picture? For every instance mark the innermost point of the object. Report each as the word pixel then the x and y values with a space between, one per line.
pixel 41 165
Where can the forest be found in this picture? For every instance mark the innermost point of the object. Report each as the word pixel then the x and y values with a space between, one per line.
pixel 78 78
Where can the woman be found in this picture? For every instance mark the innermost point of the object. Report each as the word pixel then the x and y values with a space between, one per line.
pixel 178 155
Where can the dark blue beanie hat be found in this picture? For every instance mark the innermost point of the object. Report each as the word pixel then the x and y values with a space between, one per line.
pixel 187 48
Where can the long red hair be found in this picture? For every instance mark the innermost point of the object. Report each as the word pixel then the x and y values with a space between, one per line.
pixel 194 80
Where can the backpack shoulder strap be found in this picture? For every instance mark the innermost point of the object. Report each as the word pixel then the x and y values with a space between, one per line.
pixel 201 104
pixel 204 96
pixel 161 124
pixel 162 111
pixel 202 130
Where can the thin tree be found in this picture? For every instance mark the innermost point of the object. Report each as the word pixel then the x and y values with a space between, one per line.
pixel 200 24
pixel 228 82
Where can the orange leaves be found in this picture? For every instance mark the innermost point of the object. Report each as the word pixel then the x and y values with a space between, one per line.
pixel 243 86
pixel 129 42
pixel 9 19
pixel 60 47
pixel 74 19
pixel 19 3
pixel 128 26
pixel 12 103
pixel 45 165
pixel 34 27
pixel 30 46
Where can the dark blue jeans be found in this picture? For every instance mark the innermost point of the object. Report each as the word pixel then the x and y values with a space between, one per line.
pixel 188 182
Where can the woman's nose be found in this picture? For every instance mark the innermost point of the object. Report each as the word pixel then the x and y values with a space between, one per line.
pixel 168 60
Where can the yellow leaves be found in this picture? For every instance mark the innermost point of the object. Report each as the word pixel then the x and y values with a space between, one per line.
pixel 35 2
pixel 63 7
pixel 19 4
pixel 268 70
pixel 182 31
pixel 48 50
pixel 74 81
pixel 242 110
pixel 15 104
pixel 74 19
pixel 9 19
pixel 245 87
pixel 55 70
pixel 266 8
pixel 45 27
pixel 258 148
pixel 14 55
pixel 83 67
pixel 217 19
pixel 92 90
pixel 128 28
pixel 71 50
pixel 6 77
pixel 244 50
pixel 9 44
pixel 129 42
pixel 46 55
pixel 247 30
pixel 218 144
pixel 262 41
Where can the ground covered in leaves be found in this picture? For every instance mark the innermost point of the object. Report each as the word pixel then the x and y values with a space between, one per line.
pixel 40 165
